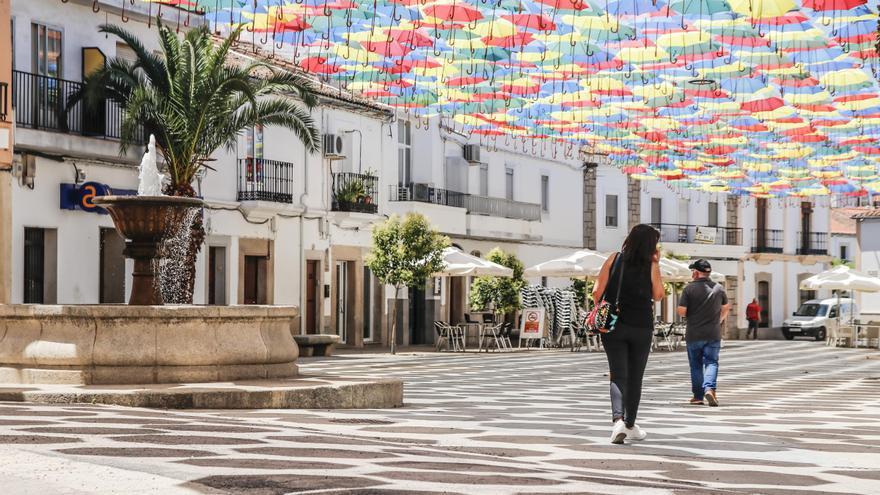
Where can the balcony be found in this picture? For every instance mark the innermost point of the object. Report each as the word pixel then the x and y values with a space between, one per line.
pixel 475 205
pixel 265 180
pixel 813 243
pixel 355 192
pixel 699 234
pixel 40 102
pixel 767 241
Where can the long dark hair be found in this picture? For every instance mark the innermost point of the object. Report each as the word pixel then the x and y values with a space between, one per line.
pixel 640 245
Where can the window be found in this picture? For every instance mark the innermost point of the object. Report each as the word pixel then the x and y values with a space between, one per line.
pixel 47 51
pixel 611 210
pixel 125 52
pixel 508 184
pixel 544 281
pixel 484 179
pixel 843 253
pixel 40 266
pixel 404 152
pixel 545 193
pixel 713 214
pixel 656 211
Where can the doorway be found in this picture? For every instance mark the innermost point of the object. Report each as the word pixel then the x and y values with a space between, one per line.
pixel 112 285
pixel 421 314
pixel 764 301
pixel 342 299
pixel 254 279
pixel 312 267
pixel 370 290
pixel 217 275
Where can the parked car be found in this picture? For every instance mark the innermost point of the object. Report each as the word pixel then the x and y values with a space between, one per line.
pixel 815 318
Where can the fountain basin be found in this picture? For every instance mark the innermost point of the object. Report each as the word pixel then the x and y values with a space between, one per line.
pixel 119 344
pixel 144 221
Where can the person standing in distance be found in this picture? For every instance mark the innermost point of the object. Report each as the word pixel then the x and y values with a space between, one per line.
pixel 704 304
pixel 635 274
pixel 753 315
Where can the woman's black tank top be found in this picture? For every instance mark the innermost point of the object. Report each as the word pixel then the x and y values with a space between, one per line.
pixel 636 307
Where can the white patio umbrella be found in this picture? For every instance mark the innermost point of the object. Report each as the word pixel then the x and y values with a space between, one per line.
pixel 461 264
pixel 842 278
pixel 584 263
pixel 677 271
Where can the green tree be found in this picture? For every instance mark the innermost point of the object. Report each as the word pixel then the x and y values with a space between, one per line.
pixel 194 103
pixel 405 253
pixel 501 293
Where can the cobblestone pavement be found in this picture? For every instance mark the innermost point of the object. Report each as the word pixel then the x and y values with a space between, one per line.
pixel 796 418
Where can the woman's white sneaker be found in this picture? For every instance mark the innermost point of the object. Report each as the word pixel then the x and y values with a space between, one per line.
pixel 636 433
pixel 618 434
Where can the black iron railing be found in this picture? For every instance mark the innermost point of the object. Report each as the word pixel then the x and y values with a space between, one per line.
pixel 355 192
pixel 41 102
pixel 265 180
pixel 813 243
pixel 474 204
pixel 4 100
pixel 699 234
pixel 767 241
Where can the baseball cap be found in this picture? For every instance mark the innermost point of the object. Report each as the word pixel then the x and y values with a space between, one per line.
pixel 701 265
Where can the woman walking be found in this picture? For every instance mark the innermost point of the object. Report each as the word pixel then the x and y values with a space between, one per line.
pixel 637 269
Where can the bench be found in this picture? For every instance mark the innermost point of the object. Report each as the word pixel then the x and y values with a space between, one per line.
pixel 316 345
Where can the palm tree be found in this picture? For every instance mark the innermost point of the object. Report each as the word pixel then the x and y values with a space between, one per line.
pixel 194 103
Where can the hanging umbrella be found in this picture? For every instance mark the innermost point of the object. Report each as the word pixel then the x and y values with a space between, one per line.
pixel 460 264
pixel 583 263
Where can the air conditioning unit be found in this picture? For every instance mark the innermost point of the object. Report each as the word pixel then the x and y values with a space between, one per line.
pixel 333 147
pixel 472 153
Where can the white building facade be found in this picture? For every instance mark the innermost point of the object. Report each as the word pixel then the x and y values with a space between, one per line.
pixel 763 247
pixel 283 226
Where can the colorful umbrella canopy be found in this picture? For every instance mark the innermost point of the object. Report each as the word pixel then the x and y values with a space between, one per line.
pixel 764 98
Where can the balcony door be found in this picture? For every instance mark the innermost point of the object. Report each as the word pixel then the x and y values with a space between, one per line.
pixel 761 223
pixel 806 227
pixel 47 90
pixel 311 308
pixel 404 153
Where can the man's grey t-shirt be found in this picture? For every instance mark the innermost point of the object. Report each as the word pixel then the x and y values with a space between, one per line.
pixel 703 299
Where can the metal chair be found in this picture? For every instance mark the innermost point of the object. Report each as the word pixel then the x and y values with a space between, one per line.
pixel 493 333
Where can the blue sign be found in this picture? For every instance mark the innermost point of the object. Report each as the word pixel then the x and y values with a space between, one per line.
pixel 79 196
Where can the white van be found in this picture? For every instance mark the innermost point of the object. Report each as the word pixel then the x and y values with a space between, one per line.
pixel 815 318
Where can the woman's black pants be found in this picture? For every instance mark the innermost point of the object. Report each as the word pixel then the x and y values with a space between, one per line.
pixel 627 349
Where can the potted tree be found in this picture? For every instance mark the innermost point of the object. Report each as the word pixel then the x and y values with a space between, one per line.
pixel 194 102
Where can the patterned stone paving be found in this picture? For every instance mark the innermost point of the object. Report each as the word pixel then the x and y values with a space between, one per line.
pixel 796 418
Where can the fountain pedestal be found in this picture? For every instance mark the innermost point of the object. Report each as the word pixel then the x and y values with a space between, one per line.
pixel 145 221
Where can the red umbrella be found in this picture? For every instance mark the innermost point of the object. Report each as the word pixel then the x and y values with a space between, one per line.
pixel 459 13
pixel 833 4
pixel 764 105
pixel 534 21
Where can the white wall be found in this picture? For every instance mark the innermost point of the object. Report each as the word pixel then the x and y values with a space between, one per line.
pixel 840 240
pixel 868 261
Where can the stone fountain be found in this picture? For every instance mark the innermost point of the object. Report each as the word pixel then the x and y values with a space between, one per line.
pixel 147 354
pixel 145 220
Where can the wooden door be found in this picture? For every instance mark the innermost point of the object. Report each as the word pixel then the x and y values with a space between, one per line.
pixel 311 297
pixel 764 301
pixel 251 279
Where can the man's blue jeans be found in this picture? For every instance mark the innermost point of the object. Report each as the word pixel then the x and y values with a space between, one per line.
pixel 703 357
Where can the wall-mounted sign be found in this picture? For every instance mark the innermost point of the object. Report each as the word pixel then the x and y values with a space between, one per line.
pixel 79 196
pixel 705 235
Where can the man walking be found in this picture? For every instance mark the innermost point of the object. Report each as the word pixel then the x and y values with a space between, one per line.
pixel 753 315
pixel 704 304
